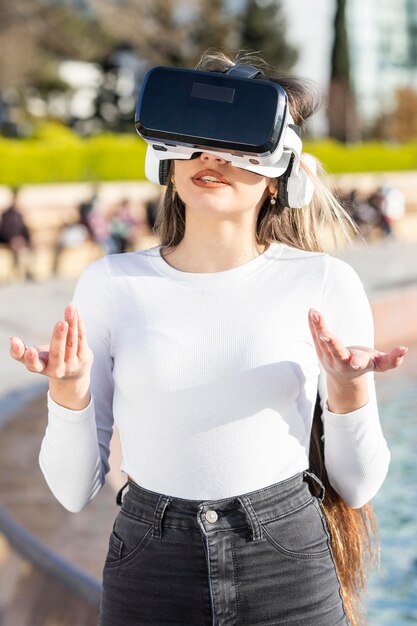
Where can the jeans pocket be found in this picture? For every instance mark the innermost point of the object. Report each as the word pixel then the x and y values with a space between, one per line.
pixel 300 533
pixel 128 539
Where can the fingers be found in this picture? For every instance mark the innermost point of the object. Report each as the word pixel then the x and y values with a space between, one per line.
pixel 68 344
pixel 71 346
pixel 82 339
pixel 32 360
pixel 17 348
pixel 67 348
pixel 339 359
pixel 391 360
pixel 326 343
pixel 335 348
pixel 28 356
pixel 401 352
pixel 360 360
pixel 58 348
pixel 313 320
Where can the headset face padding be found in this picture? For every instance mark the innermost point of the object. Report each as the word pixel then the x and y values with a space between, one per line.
pixel 283 184
pixel 295 189
pixel 155 170
pixel 164 171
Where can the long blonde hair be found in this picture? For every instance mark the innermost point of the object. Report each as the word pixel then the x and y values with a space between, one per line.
pixel 322 223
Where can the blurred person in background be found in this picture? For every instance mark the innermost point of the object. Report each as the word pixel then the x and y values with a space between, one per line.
pixel 70 236
pixel 365 215
pixel 16 235
pixel 390 205
pixel 123 226
pixel 92 216
pixel 237 360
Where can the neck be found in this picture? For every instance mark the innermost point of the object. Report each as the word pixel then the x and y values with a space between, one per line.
pixel 205 254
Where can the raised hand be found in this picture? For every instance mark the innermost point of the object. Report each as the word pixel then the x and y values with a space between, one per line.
pixel 66 357
pixel 349 362
pixel 66 361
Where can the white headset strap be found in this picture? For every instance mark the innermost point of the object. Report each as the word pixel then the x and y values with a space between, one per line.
pixel 293 142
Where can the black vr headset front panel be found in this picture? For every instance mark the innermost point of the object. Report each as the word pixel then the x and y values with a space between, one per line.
pixel 211 109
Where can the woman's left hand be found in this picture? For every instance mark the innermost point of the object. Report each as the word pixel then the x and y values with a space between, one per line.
pixel 346 363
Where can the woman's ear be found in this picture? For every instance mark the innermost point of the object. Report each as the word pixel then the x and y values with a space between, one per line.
pixel 272 185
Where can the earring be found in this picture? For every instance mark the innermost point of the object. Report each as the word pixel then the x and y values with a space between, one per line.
pixel 273 197
pixel 174 189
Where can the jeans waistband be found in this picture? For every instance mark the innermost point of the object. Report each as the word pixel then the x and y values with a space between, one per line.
pixel 253 508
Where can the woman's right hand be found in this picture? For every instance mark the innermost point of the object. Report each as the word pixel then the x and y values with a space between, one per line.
pixel 66 361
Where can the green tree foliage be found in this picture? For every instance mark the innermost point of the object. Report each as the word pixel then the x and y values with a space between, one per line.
pixel 37 33
pixel 264 30
pixel 212 27
pixel 153 27
pixel 34 34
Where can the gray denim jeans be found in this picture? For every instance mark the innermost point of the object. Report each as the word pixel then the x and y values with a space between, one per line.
pixel 261 558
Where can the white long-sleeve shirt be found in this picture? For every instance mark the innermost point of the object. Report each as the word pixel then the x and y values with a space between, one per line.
pixel 212 378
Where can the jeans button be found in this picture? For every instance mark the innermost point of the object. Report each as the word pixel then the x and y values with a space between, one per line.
pixel 211 516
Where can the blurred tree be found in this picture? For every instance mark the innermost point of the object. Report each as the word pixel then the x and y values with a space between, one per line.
pixel 342 115
pixel 263 29
pixel 155 28
pixel 166 38
pixel 17 45
pixel 399 124
pixel 36 35
pixel 33 35
pixel 176 32
pixel 212 27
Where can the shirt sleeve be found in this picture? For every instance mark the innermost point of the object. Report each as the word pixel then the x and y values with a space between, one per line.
pixel 75 449
pixel 355 451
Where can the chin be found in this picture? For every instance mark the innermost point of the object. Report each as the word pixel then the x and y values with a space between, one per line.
pixel 210 202
pixel 214 206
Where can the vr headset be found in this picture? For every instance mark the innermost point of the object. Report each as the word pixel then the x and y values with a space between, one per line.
pixel 183 112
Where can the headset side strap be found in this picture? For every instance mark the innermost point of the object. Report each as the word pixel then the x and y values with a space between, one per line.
pixel 243 71
pixel 293 142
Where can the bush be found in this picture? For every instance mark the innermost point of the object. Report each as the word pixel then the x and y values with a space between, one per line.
pixel 56 154
pixel 372 156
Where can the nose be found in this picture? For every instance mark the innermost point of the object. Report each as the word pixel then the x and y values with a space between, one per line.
pixel 212 158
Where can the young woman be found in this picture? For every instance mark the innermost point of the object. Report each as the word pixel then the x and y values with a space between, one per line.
pixel 210 351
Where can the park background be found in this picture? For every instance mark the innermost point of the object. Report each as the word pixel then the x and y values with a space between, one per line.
pixel 70 74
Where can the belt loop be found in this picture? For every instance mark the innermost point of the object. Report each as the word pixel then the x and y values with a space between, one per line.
pixel 318 482
pixel 251 516
pixel 159 514
pixel 119 494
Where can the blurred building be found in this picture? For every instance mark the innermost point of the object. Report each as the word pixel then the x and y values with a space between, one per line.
pixel 382 44
pixel 383 51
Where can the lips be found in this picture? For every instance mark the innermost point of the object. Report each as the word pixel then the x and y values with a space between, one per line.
pixel 209 178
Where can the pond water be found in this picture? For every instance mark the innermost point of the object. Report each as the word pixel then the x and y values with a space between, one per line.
pixel 392 597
